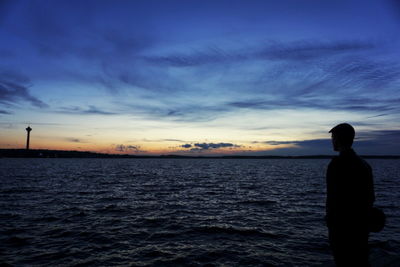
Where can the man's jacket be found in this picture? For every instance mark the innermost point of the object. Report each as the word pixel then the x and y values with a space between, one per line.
pixel 350 192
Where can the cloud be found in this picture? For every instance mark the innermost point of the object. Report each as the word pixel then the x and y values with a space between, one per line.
pixel 5 112
pixel 173 109
pixel 214 146
pixel 337 75
pixel 210 55
pixel 295 51
pixel 91 110
pixel 32 123
pixel 346 81
pixel 186 146
pixel 306 50
pixel 14 89
pixel 297 147
pixel 208 146
pixel 162 140
pixel 7 125
pixel 128 148
pixel 74 140
pixel 126 44
pixel 303 74
pixel 379 142
pixel 320 103
pixel 381 137
pixel 100 51
pixel 361 72
pixel 51 27
pixel 341 83
pixel 277 143
pixel 302 143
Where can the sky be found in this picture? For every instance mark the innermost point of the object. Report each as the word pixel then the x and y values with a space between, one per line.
pixel 200 77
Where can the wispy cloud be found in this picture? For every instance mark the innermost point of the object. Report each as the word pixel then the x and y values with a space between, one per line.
pixel 51 32
pixel 199 147
pixel 5 112
pixel 75 140
pixel 383 136
pixel 313 142
pixel 210 55
pixel 90 110
pixel 378 142
pixel 32 123
pixel 320 102
pixel 7 125
pixel 362 73
pixel 297 147
pixel 172 140
pixel 306 50
pixel 127 63
pixel 297 51
pixel 333 81
pixel 341 75
pixel 14 89
pixel 128 148
pixel 173 109
pixel 367 143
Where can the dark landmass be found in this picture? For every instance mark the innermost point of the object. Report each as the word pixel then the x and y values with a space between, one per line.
pixel 44 153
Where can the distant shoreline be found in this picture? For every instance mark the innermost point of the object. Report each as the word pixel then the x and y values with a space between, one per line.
pixel 44 153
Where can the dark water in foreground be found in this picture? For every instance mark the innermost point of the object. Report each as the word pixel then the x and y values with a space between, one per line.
pixel 107 212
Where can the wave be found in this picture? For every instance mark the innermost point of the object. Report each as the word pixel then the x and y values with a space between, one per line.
pixel 232 230
pixel 259 202
pixel 73 214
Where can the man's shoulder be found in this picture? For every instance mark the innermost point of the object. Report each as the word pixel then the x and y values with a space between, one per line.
pixel 366 164
pixel 334 163
pixel 334 160
pixel 362 161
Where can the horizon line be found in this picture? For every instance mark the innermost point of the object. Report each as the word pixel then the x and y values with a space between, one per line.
pixel 18 152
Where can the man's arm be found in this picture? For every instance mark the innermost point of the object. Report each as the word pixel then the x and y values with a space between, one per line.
pixel 370 186
pixel 330 174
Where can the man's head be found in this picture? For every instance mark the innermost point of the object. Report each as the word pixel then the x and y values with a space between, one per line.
pixel 342 136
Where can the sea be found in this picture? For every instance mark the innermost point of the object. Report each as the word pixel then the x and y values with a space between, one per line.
pixel 176 212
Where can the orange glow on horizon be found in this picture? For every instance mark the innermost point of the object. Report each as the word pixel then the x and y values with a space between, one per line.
pixel 144 149
pixel 54 139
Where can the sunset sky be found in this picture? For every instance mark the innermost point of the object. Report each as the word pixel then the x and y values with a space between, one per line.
pixel 200 77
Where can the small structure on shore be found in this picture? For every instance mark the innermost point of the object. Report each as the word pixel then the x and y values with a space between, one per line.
pixel 28 130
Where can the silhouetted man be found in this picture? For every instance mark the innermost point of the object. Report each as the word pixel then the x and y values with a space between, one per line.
pixel 350 196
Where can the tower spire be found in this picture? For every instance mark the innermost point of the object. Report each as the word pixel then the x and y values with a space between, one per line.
pixel 28 130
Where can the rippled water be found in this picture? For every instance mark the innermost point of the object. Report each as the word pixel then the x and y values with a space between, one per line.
pixel 174 211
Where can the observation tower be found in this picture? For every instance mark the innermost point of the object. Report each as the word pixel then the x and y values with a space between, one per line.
pixel 28 130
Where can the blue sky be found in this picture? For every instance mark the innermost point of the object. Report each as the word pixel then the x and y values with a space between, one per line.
pixel 199 77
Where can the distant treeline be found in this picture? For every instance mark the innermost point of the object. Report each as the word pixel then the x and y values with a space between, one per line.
pixel 44 153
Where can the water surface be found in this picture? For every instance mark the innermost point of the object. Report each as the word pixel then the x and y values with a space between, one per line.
pixel 142 212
